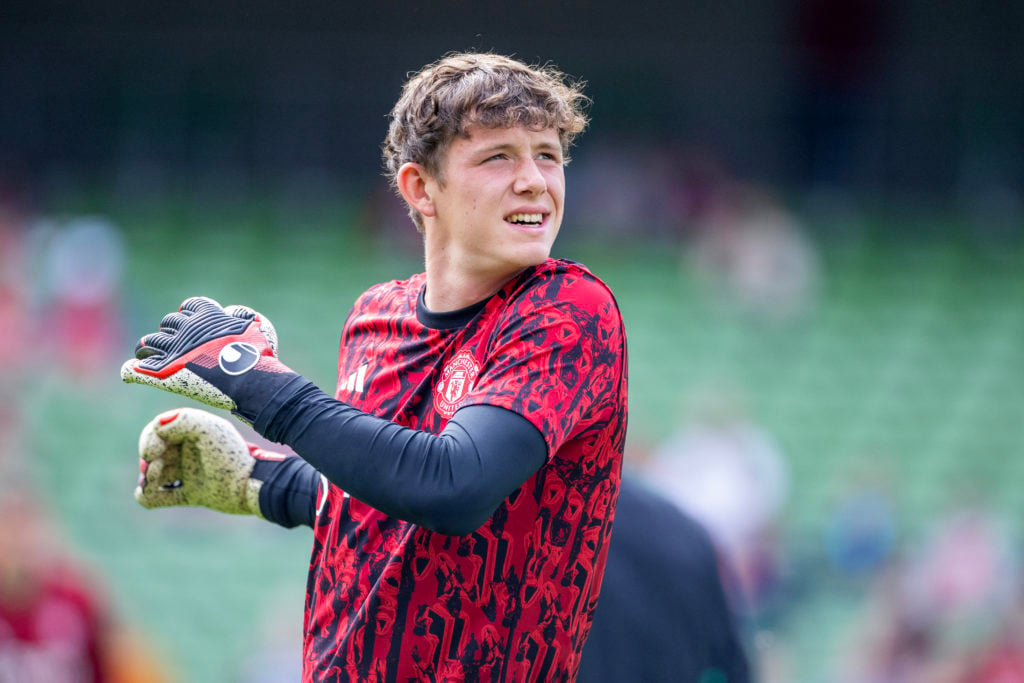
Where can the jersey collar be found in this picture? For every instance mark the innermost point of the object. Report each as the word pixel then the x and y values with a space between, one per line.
pixel 447 320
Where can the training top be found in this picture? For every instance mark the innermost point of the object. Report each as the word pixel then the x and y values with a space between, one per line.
pixel 390 600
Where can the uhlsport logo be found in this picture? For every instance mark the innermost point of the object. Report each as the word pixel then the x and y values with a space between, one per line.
pixel 238 357
pixel 457 380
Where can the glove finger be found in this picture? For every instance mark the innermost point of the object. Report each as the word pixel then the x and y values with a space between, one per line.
pixel 142 352
pixel 154 343
pixel 172 322
pixel 151 445
pixel 240 311
pixel 159 459
pixel 199 304
pixel 172 427
pixel 129 373
pixel 182 382
pixel 155 497
pixel 207 430
pixel 266 327
pixel 161 480
pixel 132 371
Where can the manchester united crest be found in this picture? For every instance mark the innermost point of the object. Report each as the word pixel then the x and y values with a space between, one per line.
pixel 457 380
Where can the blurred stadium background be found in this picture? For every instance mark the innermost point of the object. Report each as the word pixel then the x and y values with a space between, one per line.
pixel 811 213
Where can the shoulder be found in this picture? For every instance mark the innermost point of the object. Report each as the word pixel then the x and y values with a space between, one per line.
pixel 390 295
pixel 565 284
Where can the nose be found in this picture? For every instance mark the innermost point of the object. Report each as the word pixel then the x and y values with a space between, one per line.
pixel 529 179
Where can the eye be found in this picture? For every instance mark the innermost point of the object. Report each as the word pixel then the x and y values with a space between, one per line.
pixel 549 156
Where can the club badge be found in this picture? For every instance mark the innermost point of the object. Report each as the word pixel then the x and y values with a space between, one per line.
pixel 457 380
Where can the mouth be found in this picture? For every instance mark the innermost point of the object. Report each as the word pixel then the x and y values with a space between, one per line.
pixel 526 220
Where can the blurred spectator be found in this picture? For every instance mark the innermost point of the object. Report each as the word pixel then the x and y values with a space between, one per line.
pixel 81 316
pixel 628 189
pixel 890 642
pixel 860 530
pixel 663 614
pixel 947 612
pixel 756 256
pixel 728 472
pixel 13 290
pixel 965 576
pixel 1001 660
pixel 56 625
pixel 702 178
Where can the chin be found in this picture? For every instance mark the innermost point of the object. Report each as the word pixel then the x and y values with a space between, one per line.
pixel 534 257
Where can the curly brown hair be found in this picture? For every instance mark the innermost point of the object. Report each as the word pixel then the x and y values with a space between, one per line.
pixel 443 99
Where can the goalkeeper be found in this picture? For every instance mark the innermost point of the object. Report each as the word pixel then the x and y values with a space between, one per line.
pixel 462 480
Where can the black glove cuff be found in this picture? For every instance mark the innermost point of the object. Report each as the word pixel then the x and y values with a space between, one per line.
pixel 252 391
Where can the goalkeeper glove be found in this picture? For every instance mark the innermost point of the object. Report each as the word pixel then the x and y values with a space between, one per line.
pixel 223 357
pixel 192 457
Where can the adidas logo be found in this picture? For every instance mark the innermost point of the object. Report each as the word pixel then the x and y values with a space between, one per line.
pixel 356 379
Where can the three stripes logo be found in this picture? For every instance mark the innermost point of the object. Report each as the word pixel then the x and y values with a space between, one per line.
pixel 356 380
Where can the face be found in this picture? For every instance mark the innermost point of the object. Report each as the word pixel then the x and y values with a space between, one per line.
pixel 500 206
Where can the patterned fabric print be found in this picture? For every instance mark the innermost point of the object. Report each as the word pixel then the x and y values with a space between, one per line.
pixel 513 601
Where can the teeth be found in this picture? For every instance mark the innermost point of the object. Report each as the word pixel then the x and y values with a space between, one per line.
pixel 525 218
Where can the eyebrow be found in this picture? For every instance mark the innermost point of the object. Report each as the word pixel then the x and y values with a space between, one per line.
pixel 505 147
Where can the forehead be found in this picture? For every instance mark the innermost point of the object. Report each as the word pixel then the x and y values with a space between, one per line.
pixel 482 137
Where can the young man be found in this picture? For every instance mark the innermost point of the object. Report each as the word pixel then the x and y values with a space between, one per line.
pixel 461 482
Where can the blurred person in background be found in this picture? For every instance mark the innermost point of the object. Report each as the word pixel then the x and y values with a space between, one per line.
pixel 964 579
pixel 730 474
pixel 56 625
pixel 943 609
pixel 83 262
pixel 889 642
pixel 664 615
pixel 861 529
pixel 1001 658
pixel 15 292
pixel 51 623
pixel 753 254
pixel 461 483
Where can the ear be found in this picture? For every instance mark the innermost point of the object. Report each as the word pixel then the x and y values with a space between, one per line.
pixel 416 185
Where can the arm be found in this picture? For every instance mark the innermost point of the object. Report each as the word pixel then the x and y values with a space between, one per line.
pixel 450 482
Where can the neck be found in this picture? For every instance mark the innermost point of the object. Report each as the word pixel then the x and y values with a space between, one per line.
pixel 451 290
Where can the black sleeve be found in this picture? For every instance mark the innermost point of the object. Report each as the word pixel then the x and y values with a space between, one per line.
pixel 450 482
pixel 288 495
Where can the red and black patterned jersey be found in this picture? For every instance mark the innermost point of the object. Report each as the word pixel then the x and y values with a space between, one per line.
pixel 389 600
